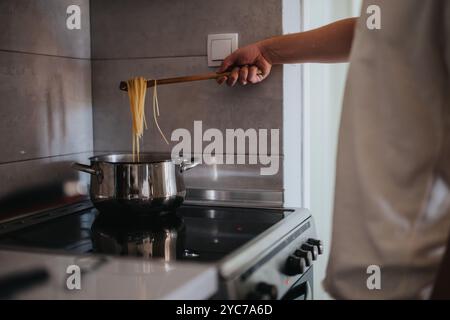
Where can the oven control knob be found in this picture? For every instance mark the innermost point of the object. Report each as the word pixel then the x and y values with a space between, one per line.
pixel 263 291
pixel 316 243
pixel 307 255
pixel 313 249
pixel 295 265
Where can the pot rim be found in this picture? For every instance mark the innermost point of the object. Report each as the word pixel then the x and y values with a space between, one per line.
pixel 127 158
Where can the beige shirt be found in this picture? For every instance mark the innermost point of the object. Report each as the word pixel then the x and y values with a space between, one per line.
pixel 392 203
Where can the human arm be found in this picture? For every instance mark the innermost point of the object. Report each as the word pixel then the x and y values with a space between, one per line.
pixel 327 44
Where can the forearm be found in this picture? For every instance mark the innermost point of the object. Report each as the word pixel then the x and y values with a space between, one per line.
pixel 331 43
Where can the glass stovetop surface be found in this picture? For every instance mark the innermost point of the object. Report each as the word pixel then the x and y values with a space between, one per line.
pixel 199 233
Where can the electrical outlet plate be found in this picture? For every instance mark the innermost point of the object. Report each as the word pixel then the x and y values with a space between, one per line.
pixel 220 46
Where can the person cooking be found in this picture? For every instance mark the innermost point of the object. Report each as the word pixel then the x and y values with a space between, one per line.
pixel 392 202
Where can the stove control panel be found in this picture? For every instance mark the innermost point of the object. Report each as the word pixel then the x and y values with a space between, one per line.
pixel 302 258
pixel 277 272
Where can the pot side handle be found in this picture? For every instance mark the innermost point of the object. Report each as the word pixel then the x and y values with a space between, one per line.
pixel 84 168
pixel 188 165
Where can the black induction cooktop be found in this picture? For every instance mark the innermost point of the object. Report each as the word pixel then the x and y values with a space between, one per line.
pixel 200 233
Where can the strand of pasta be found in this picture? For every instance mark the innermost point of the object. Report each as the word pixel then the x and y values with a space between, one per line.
pixel 156 111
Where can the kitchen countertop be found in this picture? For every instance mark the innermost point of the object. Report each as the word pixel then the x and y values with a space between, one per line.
pixel 105 277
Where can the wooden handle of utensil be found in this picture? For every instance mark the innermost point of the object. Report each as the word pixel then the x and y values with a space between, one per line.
pixel 198 77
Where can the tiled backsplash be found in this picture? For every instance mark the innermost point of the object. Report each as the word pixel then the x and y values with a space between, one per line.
pixel 176 28
pixel 46 106
pixel 39 27
pixel 45 89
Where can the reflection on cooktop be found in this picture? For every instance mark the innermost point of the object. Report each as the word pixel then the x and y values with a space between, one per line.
pixel 197 233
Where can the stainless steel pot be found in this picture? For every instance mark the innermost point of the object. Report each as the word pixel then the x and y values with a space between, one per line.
pixel 154 184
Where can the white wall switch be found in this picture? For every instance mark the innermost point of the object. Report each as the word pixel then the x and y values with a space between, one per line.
pixel 220 46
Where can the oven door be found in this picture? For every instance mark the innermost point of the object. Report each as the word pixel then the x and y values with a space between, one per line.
pixel 302 289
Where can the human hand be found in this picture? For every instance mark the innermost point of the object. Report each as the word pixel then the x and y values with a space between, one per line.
pixel 247 65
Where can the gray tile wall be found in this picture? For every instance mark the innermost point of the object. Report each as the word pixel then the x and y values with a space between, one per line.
pixel 161 38
pixel 45 89
pixel 177 28
pixel 39 26
pixel 45 107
